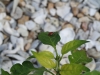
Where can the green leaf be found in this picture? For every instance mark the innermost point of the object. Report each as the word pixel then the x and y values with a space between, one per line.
pixel 28 65
pixel 92 73
pixel 4 72
pixel 23 69
pixel 73 69
pixel 44 60
pixel 47 54
pixel 39 71
pixel 72 45
pixel 17 69
pixel 47 38
pixel 79 57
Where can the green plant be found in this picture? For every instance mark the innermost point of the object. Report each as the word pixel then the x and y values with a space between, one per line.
pixel 51 63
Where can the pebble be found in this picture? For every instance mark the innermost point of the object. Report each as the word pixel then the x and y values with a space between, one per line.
pixel 75 11
pixel 27 46
pixel 23 32
pixel 80 15
pixel 23 19
pixel 67 35
pixel 30 25
pixel 84 19
pixel 94 36
pixel 2 16
pixel 91 65
pixel 63 11
pixel 93 53
pixel 12 23
pixel 1 27
pixel 82 35
pixel 2 7
pixel 68 17
pixel 17 14
pixel 31 35
pixel 54 21
pixel 85 10
pixel 6 64
pixel 13 39
pixel 92 11
pixel 96 26
pixel 74 4
pixel 97 16
pixel 97 46
pixel 50 5
pixel 84 26
pixel 53 12
pixel 50 28
pixel 39 16
pixel 35 44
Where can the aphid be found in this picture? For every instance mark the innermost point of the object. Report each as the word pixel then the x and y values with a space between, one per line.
pixel 50 33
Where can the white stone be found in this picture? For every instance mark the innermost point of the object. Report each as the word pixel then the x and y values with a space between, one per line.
pixel 90 44
pixel 39 16
pixel 17 14
pixel 20 43
pixel 50 28
pixel 63 11
pixel 13 39
pixel 1 41
pixel 91 65
pixel 9 30
pixel 93 53
pixel 54 1
pixel 96 26
pixel 18 57
pixel 38 1
pixel 84 19
pixel 6 64
pixel 30 25
pixel 81 35
pixel 54 21
pixel 68 17
pixel 2 16
pixel 35 44
pixel 74 21
pixel 1 26
pixel 1 36
pixel 53 12
pixel 23 32
pixel 14 7
pixel 35 5
pixel 94 36
pixel 94 4
pixel 64 0
pixel 10 46
pixel 97 46
pixel 92 11
pixel 17 62
pixel 44 2
pixel 63 61
pixel 13 23
pixel 67 35
pixel 30 7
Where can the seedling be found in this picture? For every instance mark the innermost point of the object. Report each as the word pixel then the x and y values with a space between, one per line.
pixel 51 63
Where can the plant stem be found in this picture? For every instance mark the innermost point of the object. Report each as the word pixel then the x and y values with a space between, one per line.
pixel 57 60
pixel 56 51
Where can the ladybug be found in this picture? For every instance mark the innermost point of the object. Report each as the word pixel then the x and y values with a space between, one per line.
pixel 50 33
